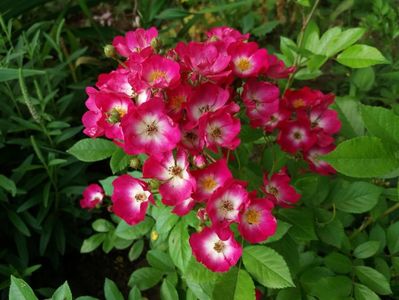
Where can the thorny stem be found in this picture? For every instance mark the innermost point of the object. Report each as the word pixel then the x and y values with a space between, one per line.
pixel 369 220
pixel 300 41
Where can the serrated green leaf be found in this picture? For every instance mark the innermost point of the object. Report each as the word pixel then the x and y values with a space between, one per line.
pixel 145 278
pixel 381 122
pixel 366 249
pixel 363 157
pixel 89 150
pixel 132 232
pixel 362 292
pixel 373 279
pixel 179 248
pixel 119 160
pixel 168 291
pixel 160 260
pixel 361 56
pixel 234 285
pixel 267 267
pixel 302 220
pixel 136 250
pixel 355 197
pixel 102 225
pixel 338 262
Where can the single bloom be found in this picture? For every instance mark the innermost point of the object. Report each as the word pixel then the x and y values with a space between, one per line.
pixel 226 35
pixel 93 195
pixel 220 129
pixel 257 222
pixel 177 183
pixel 227 202
pixel 206 98
pixel 106 111
pixel 247 60
pixel 279 189
pixel 306 98
pixel 177 99
pixel 160 72
pixel 261 100
pixel 210 178
pixel 148 129
pixel 135 41
pixel 130 199
pixel 216 248
pixel 203 61
pixel 296 135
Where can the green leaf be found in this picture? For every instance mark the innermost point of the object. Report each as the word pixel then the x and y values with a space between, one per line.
pixel 20 290
pixel 349 113
pixel 332 233
pixel 305 3
pixel 366 249
pixel 234 285
pixel 332 288
pixel 381 122
pixel 364 79
pixel 136 250
pixel 344 40
pixel 282 229
pixel 173 13
pixel 11 74
pixel 89 150
pixel 338 262
pixel 392 238
pixel 119 160
pixel 62 293
pixel 135 294
pixel 8 185
pixel 355 197
pixel 363 157
pixel 17 221
pixel 362 292
pixel 179 248
pixel 145 278
pixel 361 56
pixel 168 291
pixel 132 232
pixel 107 185
pixel 111 291
pixel 307 74
pixel 92 242
pixel 228 6
pixel 102 225
pixel 160 260
pixel 373 279
pixel 267 266
pixel 303 223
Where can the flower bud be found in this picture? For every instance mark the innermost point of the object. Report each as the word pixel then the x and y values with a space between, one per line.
pixel 135 163
pixel 109 51
pixel 154 184
pixel 154 235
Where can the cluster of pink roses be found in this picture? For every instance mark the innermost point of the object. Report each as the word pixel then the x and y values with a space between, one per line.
pixel 178 107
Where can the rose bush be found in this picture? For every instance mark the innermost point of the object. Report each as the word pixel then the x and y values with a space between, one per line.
pixel 182 117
